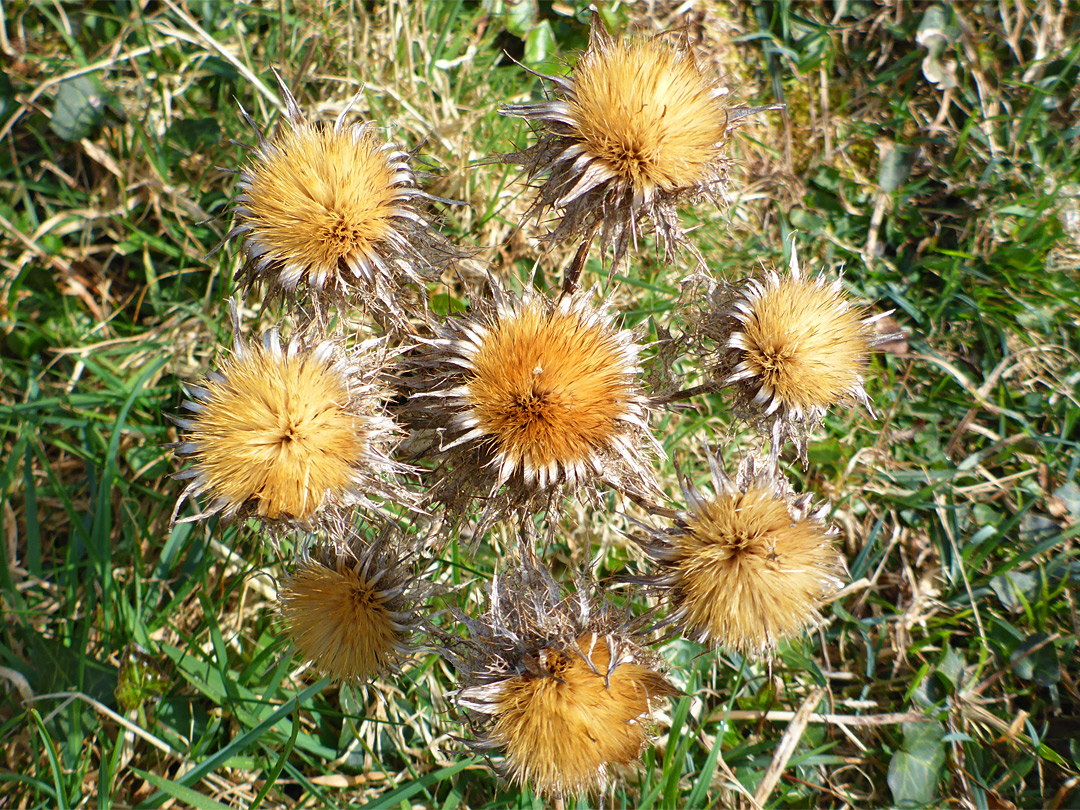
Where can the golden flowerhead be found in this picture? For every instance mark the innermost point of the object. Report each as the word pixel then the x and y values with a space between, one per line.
pixel 537 394
pixel 557 686
pixel 329 209
pixel 291 435
pixel 789 348
pixel 747 566
pixel 636 130
pixel 348 607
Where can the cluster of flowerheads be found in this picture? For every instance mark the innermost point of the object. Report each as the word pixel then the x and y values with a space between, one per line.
pixel 377 451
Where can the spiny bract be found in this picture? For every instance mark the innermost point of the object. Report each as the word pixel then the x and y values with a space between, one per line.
pixel 536 393
pixel 788 348
pixel 346 610
pixel 560 686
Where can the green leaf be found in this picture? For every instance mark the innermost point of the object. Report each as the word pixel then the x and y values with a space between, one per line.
pixel 926 691
pixel 242 741
pixel 915 768
pixel 519 17
pixel 1049 754
pixel 1011 585
pixel 895 167
pixel 1018 210
pixel 615 16
pixel 140 679
pixel 539 43
pixel 400 795
pixel 54 764
pixel 59 667
pixel 79 107
pixel 195 134
pixel 829 451
pixel 1033 662
pixel 950 669
pixel 7 97
pixel 1069 493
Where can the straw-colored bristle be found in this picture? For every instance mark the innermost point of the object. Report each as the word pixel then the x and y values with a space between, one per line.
pixel 322 200
pixel 748 566
pixel 562 726
pixel 787 346
pixel 535 394
pixel 647 113
pixel 558 687
pixel 328 211
pixel 291 434
pixel 804 344
pixel 746 574
pixel 635 131
pixel 339 618
pixel 276 431
pixel 549 389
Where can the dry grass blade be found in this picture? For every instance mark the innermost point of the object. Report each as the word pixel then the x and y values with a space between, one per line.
pixel 848 720
pixel 787 746
pixel 100 707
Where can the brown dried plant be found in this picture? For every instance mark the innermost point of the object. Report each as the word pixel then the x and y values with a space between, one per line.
pixel 637 130
pixel 559 686
pixel 348 606
pixel 787 348
pixel 330 211
pixel 292 435
pixel 534 396
pixel 747 566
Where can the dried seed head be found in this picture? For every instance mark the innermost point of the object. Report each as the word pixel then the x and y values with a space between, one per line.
pixel 558 686
pixel 564 721
pixel 329 210
pixel 748 566
pixel 789 348
pixel 290 435
pixel 536 394
pixel 348 608
pixel 636 130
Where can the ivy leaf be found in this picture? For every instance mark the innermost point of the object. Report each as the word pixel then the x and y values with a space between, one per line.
pixel 195 134
pixel 79 107
pixel 519 17
pixel 950 669
pixel 1067 498
pixel 1009 586
pixel 915 768
pixel 1037 660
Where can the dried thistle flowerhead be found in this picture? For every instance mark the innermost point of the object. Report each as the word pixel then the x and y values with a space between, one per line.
pixel 536 394
pixel 636 130
pixel 348 607
pixel 789 348
pixel 291 435
pixel 747 566
pixel 559 687
pixel 329 210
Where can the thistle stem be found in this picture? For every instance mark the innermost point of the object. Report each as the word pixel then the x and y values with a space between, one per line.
pixel 573 273
pixel 679 396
